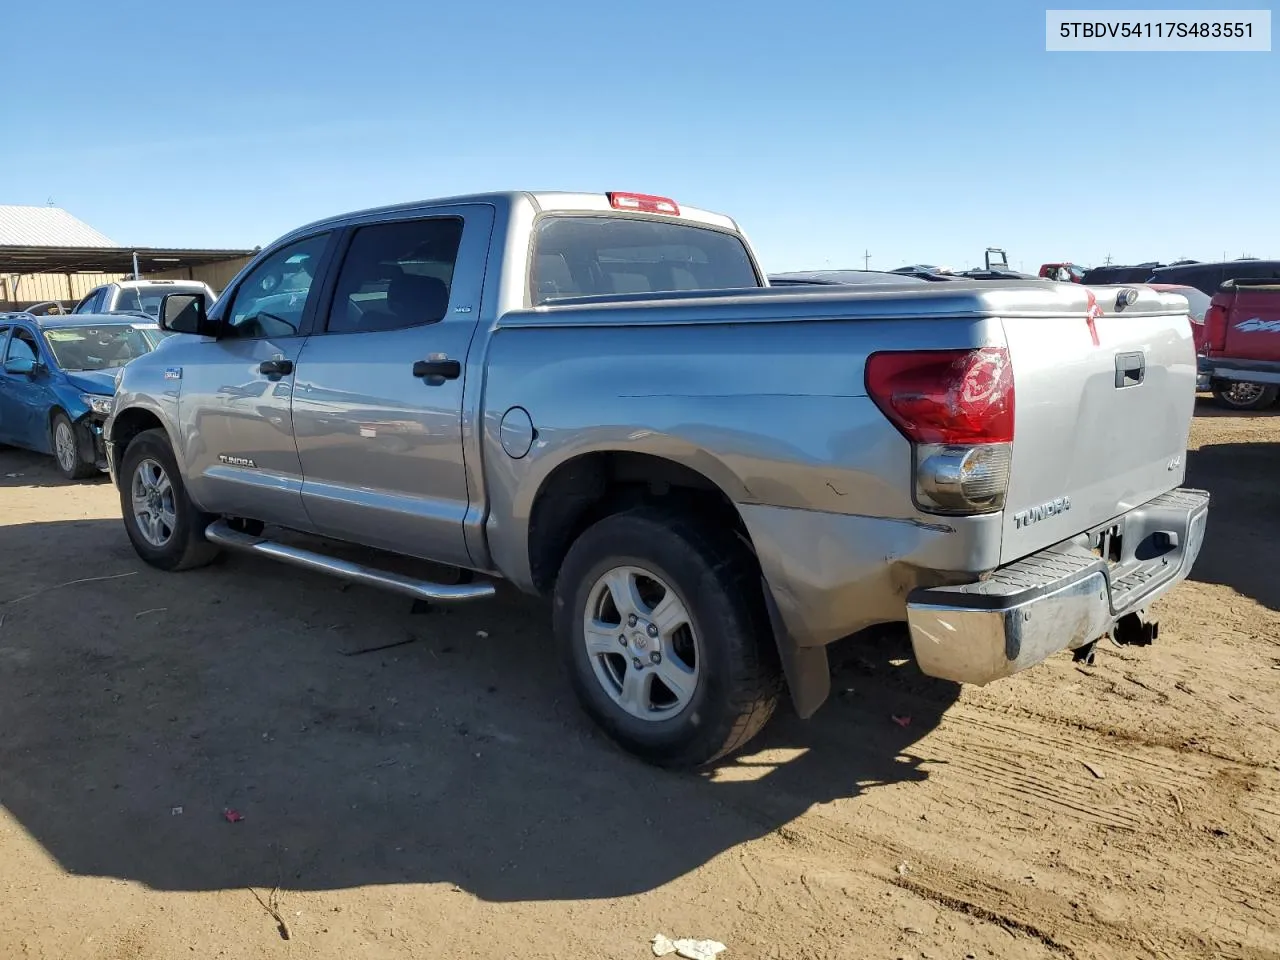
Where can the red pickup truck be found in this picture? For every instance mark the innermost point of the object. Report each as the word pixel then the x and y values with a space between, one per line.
pixel 1241 352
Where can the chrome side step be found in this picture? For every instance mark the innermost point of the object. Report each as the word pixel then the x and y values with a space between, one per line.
pixel 220 533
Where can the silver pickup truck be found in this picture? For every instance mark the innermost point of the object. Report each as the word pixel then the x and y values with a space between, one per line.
pixel 598 398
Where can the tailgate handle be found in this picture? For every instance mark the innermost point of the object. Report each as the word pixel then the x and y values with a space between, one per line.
pixel 1131 368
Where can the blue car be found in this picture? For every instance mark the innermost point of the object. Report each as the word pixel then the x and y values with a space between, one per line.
pixel 57 380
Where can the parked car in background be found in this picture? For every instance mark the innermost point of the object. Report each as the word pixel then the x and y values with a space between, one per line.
pixel 1117 273
pixel 48 308
pixel 1065 272
pixel 839 277
pixel 1208 277
pixel 57 378
pixel 924 271
pixel 1198 304
pixel 1242 344
pixel 141 297
pixel 595 397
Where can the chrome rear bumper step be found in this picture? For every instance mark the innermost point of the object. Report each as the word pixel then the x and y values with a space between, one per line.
pixel 224 536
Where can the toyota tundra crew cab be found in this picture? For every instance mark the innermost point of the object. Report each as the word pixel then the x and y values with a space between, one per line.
pixel 598 398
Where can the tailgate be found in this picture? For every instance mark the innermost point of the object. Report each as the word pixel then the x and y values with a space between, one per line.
pixel 1102 415
pixel 1253 324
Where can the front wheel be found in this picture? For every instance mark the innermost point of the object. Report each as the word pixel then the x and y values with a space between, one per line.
pixel 68 449
pixel 662 624
pixel 1237 395
pixel 163 524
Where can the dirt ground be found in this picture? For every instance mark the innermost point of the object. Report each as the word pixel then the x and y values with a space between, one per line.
pixel 445 798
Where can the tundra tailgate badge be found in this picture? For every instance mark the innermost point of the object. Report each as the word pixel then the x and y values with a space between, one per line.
pixel 1024 518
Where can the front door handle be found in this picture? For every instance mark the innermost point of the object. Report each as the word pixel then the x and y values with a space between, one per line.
pixel 441 367
pixel 275 368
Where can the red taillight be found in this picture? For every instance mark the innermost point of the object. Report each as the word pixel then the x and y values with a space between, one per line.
pixel 1215 328
pixel 945 396
pixel 643 203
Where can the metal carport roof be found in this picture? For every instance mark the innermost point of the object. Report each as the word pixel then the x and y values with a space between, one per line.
pixel 46 259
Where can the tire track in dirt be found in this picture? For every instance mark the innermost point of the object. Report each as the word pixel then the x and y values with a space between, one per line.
pixel 986 760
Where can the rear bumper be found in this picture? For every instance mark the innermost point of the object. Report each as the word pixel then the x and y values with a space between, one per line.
pixel 1243 371
pixel 1059 599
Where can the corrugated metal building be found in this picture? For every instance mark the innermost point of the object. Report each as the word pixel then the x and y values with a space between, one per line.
pixel 46 254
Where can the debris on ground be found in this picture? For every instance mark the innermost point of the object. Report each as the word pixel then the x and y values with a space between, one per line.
pixel 381 646
pixel 272 906
pixel 902 720
pixel 904 868
pixel 69 583
pixel 232 816
pixel 482 634
pixel 1096 771
pixel 175 811
pixel 142 613
pixel 688 948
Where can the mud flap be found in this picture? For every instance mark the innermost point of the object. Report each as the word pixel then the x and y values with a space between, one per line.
pixel 807 670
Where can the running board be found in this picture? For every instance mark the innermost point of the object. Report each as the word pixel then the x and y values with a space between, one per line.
pixel 220 533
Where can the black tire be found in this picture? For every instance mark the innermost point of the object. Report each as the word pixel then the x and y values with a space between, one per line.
pixel 1259 399
pixel 186 547
pixel 718 581
pixel 79 469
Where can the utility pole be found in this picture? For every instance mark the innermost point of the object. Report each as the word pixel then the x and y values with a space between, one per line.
pixel 866 259
pixel 1107 261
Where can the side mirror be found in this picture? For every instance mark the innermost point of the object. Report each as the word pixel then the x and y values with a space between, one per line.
pixel 20 366
pixel 185 313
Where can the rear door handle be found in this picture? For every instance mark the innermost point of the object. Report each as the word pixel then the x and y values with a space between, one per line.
pixel 1131 369
pixel 441 367
pixel 275 368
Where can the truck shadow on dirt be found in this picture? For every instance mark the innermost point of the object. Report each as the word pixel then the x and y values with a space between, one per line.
pixel 22 468
pixel 140 716
pixel 1244 517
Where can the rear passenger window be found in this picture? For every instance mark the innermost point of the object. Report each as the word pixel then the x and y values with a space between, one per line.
pixel 90 303
pixel 592 256
pixel 396 275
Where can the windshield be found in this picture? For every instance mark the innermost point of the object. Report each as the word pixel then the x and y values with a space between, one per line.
pixel 147 299
pixel 577 256
pixel 100 347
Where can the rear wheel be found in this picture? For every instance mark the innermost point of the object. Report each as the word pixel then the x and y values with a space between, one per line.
pixel 1237 395
pixel 163 524
pixel 663 627
pixel 68 449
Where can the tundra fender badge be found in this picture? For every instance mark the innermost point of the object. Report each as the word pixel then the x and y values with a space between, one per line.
pixel 1025 518
pixel 236 461
pixel 173 373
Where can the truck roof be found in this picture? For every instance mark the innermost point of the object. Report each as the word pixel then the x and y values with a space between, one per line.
pixel 134 284
pixel 542 201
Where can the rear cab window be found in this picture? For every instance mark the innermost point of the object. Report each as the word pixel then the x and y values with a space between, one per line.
pixel 585 256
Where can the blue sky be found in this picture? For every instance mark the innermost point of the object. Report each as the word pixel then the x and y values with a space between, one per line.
pixel 922 132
